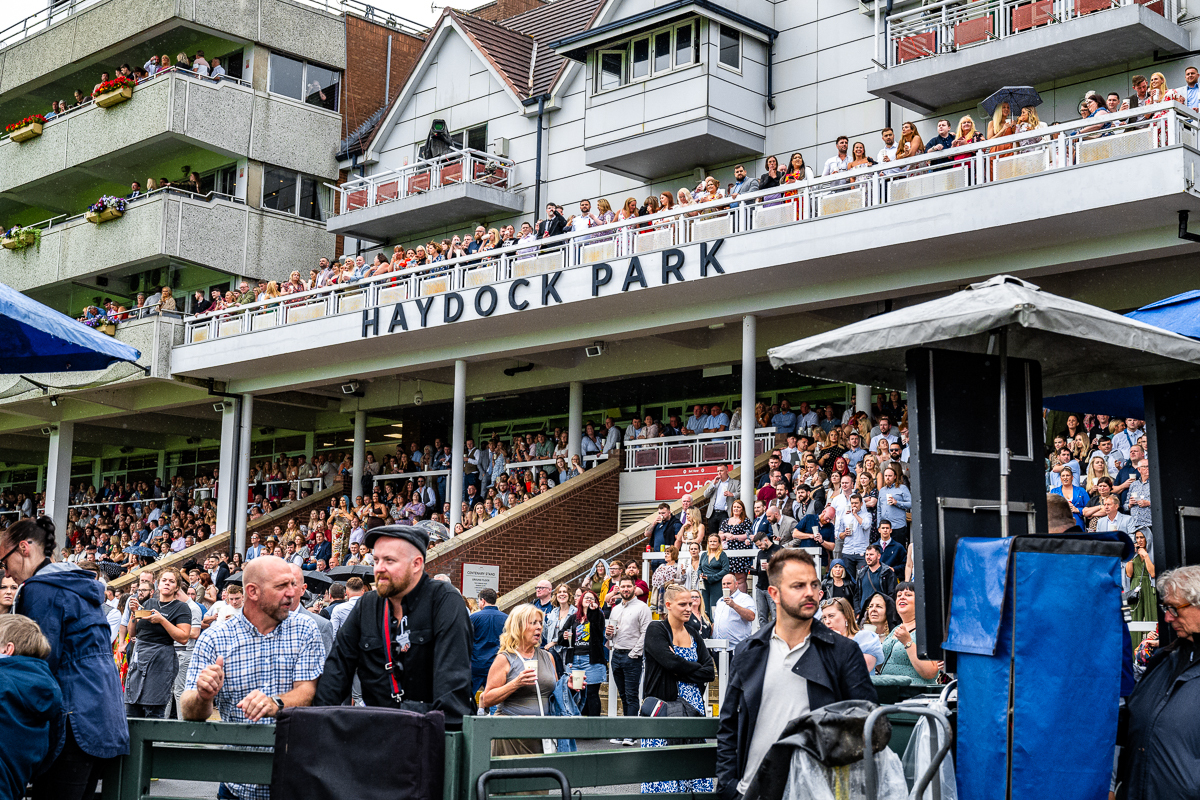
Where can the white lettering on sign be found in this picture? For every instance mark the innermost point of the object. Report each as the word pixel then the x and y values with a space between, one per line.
pixel 477 577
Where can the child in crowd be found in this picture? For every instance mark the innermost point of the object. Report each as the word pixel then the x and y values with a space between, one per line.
pixel 32 723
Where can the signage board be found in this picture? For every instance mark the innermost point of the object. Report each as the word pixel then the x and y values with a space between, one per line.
pixel 477 577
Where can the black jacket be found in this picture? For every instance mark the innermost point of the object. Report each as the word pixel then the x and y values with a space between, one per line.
pixel 835 670
pixel 222 575
pixel 664 669
pixel 664 532
pixel 435 670
pixel 1162 743
pixel 595 618
pixel 551 227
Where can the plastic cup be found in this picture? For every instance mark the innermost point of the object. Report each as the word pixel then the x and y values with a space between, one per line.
pixel 531 663
pixel 724 592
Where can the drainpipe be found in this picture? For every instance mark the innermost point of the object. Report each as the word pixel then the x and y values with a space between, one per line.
pixel 887 104
pixel 770 73
pixel 537 169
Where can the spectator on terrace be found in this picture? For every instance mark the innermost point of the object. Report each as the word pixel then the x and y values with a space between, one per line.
pixel 743 183
pixel 716 421
pixel 1096 108
pixel 840 162
pixel 103 79
pixel 785 421
pixel 797 170
pixel 217 72
pixel 943 141
pixel 1190 91
pixel 859 158
pixel 684 198
pixel 771 178
pixel 293 284
pixel 554 223
pixel 712 191
pixel 911 144
pixel 183 62
pixel 629 210
pixel 966 134
pixel 166 302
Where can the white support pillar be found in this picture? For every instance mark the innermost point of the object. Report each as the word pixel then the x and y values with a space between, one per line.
pixel 227 461
pixel 749 374
pixel 58 474
pixel 242 477
pixel 458 443
pixel 575 418
pixel 862 397
pixel 360 454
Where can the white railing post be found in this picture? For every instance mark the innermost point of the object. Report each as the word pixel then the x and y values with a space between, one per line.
pixel 1171 135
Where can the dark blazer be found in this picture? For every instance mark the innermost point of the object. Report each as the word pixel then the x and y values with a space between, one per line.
pixel 1163 733
pixel 552 227
pixel 664 669
pixel 663 533
pixel 222 575
pixel 835 670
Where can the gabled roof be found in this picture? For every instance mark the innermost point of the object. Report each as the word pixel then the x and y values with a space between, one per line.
pixel 547 24
pixel 509 51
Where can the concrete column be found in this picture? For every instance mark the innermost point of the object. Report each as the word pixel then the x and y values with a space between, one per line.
pixel 160 470
pixel 749 373
pixel 97 470
pixel 575 418
pixel 58 474
pixel 243 474
pixel 309 440
pixel 227 463
pixel 862 397
pixel 458 443
pixel 360 453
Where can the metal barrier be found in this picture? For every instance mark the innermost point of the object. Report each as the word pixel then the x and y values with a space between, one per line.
pixel 420 177
pixel 947 26
pixel 1056 147
pixel 690 451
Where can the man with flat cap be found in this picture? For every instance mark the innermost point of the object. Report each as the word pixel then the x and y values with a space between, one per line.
pixel 408 641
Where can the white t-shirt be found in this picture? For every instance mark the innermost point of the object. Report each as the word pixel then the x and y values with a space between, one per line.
pixel 224 613
pixel 784 697
pixel 727 624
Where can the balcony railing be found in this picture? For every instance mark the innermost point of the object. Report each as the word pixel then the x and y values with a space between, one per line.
pixel 950 25
pixel 421 177
pixel 693 451
pixel 1057 147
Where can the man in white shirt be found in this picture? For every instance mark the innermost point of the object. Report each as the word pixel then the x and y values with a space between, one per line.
pixel 217 71
pixel 1191 91
pixel 807 418
pixel 225 609
pixel 854 531
pixel 626 633
pixel 886 431
pixel 612 436
pixel 887 153
pixel 355 588
pixel 720 492
pixel 776 678
pixel 841 501
pixel 840 162
pixel 733 614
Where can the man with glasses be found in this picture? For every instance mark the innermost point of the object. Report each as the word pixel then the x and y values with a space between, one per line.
pixel 1162 742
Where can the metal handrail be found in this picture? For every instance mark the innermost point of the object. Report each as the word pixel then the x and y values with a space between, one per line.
pixel 943 18
pixel 939 753
pixel 663 444
pixel 370 185
pixel 968 166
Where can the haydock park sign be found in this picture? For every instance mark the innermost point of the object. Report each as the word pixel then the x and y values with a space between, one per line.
pixel 676 265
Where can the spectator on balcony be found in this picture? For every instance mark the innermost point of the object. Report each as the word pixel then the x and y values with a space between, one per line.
pixel 785 421
pixel 684 198
pixel 943 141
pixel 743 183
pixel 553 225
pixel 182 61
pixel 910 145
pixel 840 162
pixel 771 178
pixel 217 72
pixel 966 134
pixel 1190 91
pixel 293 284
pixel 166 302
pixel 1027 122
pixel 712 191
pixel 859 159
pixel 192 184
pixel 200 64
pixel 1096 108
pixel 666 202
pixel 584 219
pixel 888 153
pixel 716 421
pixel 135 190
pixel 152 66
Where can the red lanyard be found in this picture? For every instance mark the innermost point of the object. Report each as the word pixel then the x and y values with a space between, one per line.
pixel 397 692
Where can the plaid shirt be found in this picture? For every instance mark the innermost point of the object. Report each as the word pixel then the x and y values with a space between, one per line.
pixel 270 663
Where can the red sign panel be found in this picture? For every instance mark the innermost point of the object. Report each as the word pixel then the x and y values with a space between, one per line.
pixel 670 484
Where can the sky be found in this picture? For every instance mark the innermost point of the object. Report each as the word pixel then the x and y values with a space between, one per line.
pixel 13 11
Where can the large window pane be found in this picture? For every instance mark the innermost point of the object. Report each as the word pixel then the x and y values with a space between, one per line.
pixel 641 59
pixel 477 138
pixel 287 76
pixel 662 51
pixel 310 199
pixel 612 70
pixel 731 42
pixel 279 189
pixel 683 45
pixel 321 87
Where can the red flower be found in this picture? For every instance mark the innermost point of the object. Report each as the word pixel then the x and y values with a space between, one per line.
pixel 32 119
pixel 118 82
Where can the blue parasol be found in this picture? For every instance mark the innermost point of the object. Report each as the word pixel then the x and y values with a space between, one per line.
pixel 1017 97
pixel 35 338
pixel 140 550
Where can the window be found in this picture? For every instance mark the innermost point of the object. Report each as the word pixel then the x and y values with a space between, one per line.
pixel 648 55
pixel 472 138
pixel 612 70
pixel 290 192
pixel 302 80
pixel 685 45
pixel 639 63
pixel 662 51
pixel 731 47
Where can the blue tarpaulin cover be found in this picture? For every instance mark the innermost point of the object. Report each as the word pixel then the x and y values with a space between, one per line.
pixel 35 338
pixel 1061 679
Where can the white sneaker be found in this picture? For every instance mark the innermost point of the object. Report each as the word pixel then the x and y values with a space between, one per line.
pixel 629 742
pixel 617 741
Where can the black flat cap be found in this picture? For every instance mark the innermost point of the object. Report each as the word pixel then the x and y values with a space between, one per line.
pixel 415 536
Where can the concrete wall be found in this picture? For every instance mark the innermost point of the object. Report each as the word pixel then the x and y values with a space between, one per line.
pixel 282 25
pixel 225 117
pixel 570 518
pixel 224 236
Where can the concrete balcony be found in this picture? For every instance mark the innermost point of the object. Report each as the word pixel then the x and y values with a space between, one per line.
pixel 44 47
pixel 220 234
pixel 951 52
pixel 168 115
pixel 462 186
pixel 1064 204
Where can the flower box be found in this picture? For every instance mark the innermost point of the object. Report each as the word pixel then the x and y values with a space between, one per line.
pixel 108 329
pixel 26 132
pixel 96 217
pixel 108 99
pixel 19 240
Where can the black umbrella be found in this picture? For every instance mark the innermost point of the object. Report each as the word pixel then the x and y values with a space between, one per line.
pixel 317 582
pixel 234 580
pixel 111 569
pixel 141 550
pixel 1017 97
pixel 358 570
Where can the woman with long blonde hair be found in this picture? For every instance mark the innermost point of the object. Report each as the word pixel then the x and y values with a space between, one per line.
pixel 605 213
pixel 692 530
pixel 966 134
pixel 521 680
pixel 629 210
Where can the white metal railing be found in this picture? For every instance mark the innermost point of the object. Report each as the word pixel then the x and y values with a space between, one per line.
pixel 949 25
pixel 689 451
pixel 1061 146
pixel 420 177
pixel 509 468
pixel 177 71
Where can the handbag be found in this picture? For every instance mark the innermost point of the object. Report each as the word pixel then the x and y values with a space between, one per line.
pixel 653 707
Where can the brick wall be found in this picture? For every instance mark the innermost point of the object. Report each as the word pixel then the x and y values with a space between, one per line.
pixel 503 9
pixel 366 68
pixel 574 517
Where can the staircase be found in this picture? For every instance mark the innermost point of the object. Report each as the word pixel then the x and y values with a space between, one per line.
pixel 628 540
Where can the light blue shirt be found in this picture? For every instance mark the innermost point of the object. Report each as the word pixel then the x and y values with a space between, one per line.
pixel 1192 93
pixel 784 422
pixel 860 532
pixel 854 457
pixel 720 420
pixel 894 514
pixel 695 424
